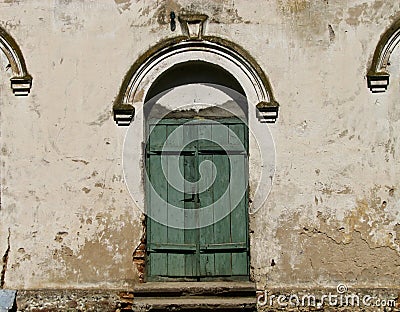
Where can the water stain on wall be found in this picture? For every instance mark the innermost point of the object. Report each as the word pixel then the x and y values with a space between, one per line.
pixel 101 258
pixel 324 251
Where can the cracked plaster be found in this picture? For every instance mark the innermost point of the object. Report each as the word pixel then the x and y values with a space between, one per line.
pixel 333 213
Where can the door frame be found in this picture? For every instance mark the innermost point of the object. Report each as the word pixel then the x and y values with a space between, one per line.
pixel 181 121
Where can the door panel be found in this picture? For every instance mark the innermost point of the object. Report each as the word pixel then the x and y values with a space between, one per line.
pixel 222 229
pixel 157 233
pixel 238 214
pixel 197 230
pixel 176 235
pixel 191 233
pixel 206 217
pixel 172 246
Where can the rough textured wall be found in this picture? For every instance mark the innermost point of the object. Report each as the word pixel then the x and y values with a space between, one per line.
pixel 71 220
pixel 333 213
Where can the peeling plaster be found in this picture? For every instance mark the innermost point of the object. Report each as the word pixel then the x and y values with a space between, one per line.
pixel 98 258
pixel 123 5
pixel 317 255
pixel 220 12
pixel 334 210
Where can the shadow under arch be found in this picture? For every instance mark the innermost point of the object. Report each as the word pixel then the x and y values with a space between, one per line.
pixel 214 50
pixel 192 73
pixel 378 76
pixel 21 82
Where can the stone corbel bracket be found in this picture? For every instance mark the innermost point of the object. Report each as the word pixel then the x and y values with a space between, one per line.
pixel 21 82
pixel 377 76
pixel 267 112
pixel 123 114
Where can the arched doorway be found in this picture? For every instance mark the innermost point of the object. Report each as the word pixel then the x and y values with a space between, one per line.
pixel 196 160
pixel 196 85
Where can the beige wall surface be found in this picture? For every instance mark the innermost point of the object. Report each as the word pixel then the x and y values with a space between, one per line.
pixel 333 213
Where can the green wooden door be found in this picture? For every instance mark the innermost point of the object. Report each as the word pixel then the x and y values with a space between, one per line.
pixel 196 191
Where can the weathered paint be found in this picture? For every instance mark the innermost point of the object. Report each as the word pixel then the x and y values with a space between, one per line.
pixel 334 210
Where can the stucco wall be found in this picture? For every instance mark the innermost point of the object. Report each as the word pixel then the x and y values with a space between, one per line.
pixel 334 210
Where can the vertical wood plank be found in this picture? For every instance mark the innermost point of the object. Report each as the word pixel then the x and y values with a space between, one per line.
pixel 206 219
pixel 176 235
pixel 191 175
pixel 236 136
pixel 191 232
pixel 158 135
pixel 239 219
pixel 175 137
pixel 220 134
pixel 158 207
pixel 175 196
pixel 222 231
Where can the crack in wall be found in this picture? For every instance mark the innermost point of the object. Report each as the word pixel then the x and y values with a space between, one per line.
pixel 309 233
pixel 314 231
pixel 374 247
pixel 5 261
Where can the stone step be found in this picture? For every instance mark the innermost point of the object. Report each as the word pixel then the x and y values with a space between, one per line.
pixel 195 296
pixel 194 304
pixel 178 289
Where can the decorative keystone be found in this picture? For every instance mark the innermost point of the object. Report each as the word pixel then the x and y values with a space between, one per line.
pixel 267 112
pixel 123 114
pixel 193 25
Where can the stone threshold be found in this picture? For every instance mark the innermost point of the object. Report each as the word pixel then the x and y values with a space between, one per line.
pixel 195 296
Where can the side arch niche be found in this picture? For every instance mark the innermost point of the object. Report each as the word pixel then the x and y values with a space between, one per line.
pixel 209 49
pixel 378 76
pixel 21 81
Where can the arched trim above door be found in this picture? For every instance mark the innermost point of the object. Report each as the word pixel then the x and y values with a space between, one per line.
pixel 21 82
pixel 210 49
pixel 378 76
